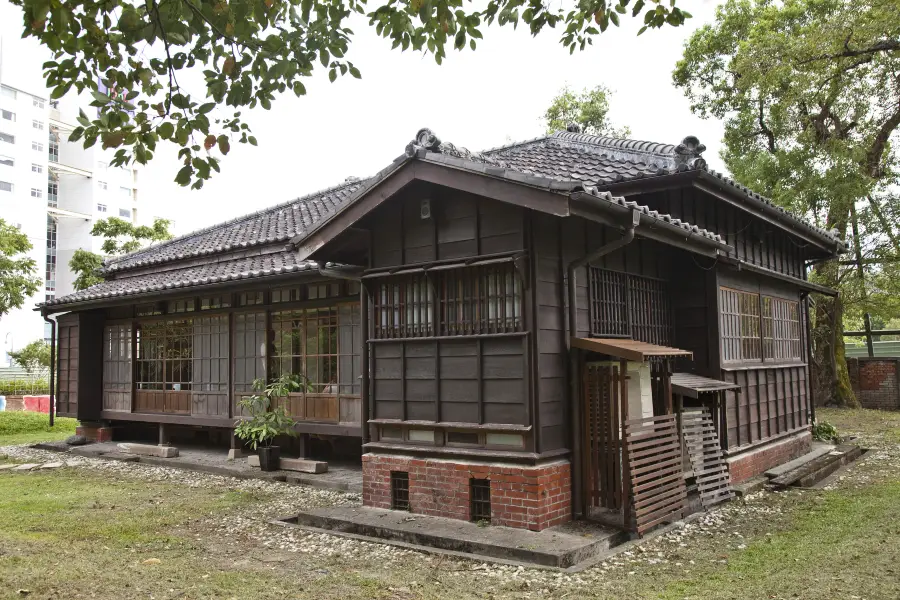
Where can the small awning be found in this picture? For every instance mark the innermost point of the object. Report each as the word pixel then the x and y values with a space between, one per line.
pixel 628 349
pixel 690 385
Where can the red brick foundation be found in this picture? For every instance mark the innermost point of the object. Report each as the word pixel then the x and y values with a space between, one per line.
pixel 527 497
pixel 95 433
pixel 760 459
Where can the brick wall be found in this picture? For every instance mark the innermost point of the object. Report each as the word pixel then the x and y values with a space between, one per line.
pixel 527 497
pixel 758 460
pixel 875 382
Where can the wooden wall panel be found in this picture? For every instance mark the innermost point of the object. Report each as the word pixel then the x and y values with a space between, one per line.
pixel 552 366
pixel 773 400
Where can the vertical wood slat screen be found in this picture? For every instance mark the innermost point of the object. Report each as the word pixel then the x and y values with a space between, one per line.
pixel 117 371
pixel 210 367
pixel 628 305
pixel 470 301
pixel 67 394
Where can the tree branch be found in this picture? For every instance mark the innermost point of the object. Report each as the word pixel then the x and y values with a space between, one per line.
pixel 765 130
pixel 873 156
pixel 847 52
pixel 889 231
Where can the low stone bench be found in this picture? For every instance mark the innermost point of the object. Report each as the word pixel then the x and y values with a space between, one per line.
pixel 302 465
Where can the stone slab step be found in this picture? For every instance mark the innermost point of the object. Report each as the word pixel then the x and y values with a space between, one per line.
pixel 560 547
pixel 149 450
pixel 817 451
pixel 814 471
pixel 301 465
pixel 750 486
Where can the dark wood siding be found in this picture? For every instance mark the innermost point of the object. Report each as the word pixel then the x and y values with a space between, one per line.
pixel 753 239
pixel 477 381
pixel 552 366
pixel 461 226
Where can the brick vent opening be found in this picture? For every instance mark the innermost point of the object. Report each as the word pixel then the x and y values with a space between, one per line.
pixel 399 490
pixel 480 494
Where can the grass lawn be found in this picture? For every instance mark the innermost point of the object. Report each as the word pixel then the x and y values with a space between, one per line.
pixel 128 531
pixel 20 427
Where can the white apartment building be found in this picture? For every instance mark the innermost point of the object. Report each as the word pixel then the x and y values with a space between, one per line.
pixel 54 190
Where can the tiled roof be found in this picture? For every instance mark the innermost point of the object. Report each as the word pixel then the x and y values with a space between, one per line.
pixel 215 272
pixel 597 160
pixel 276 224
pixel 563 162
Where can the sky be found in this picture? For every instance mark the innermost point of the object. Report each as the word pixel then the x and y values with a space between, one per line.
pixel 478 100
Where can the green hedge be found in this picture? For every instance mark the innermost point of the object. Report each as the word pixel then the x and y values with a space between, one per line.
pixel 21 387
pixel 19 422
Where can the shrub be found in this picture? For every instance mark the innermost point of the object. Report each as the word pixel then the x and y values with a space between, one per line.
pixel 21 387
pixel 823 431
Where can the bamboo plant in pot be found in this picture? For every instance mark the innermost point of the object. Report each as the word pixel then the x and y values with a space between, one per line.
pixel 265 418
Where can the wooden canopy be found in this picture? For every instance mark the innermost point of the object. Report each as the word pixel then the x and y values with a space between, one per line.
pixel 690 385
pixel 628 349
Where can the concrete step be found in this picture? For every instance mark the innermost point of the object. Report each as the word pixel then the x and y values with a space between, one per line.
pixel 810 473
pixel 561 547
pixel 817 451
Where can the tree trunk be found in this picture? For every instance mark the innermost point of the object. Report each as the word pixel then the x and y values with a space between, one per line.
pixel 830 378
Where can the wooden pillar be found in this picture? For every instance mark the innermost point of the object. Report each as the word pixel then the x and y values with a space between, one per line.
pixel 626 467
pixel 236 450
pixel 667 384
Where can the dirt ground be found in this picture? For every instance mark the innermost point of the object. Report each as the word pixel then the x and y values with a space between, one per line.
pixel 102 529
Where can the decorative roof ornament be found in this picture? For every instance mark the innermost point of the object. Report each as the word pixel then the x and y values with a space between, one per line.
pixel 573 128
pixel 427 140
pixel 687 154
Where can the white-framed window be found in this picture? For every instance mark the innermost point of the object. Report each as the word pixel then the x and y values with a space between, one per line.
pixel 7 92
pixel 37 146
pixel 37 102
pixel 8 115
pixel 52 191
pixel 36 168
pixel 7 161
pixel 9 139
pixel 102 185
pixel 39 125
pixel 6 186
pixel 125 191
pixel 36 193
pixel 125 212
pixel 101 207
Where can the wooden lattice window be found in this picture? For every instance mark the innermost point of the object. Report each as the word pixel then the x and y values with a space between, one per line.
pixel 306 343
pixel 470 301
pixel 628 305
pixel 741 328
pixel 67 366
pixel 404 307
pixel 480 300
pixel 210 354
pixel 211 302
pixel 780 329
pixel 165 355
pixel 117 367
pixel 249 350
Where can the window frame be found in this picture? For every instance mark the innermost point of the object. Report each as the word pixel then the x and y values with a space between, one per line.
pixel 765 316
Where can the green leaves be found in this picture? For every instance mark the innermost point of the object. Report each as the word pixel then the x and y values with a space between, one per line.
pixel 265 416
pixel 18 272
pixel 250 52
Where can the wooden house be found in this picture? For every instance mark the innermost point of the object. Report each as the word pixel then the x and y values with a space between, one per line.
pixel 528 334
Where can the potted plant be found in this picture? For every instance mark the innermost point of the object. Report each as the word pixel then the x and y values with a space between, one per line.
pixel 263 423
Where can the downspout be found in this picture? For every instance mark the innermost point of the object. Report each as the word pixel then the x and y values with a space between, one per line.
pixel 52 407
pixel 365 410
pixel 574 375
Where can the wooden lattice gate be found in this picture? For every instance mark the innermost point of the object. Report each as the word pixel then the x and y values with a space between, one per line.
pixel 602 445
pixel 707 461
pixel 655 474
